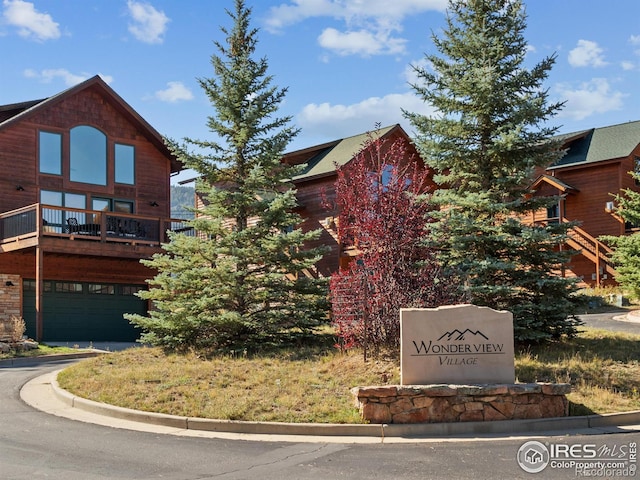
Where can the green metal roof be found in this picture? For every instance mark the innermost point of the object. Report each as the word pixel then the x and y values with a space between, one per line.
pixel 599 144
pixel 325 160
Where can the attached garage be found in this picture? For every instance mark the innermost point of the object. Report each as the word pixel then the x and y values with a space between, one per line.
pixel 77 311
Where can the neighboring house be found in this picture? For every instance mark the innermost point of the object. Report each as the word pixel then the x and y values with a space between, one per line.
pixel 595 167
pixel 316 186
pixel 84 197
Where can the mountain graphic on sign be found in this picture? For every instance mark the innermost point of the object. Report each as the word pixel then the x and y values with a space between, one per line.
pixel 458 336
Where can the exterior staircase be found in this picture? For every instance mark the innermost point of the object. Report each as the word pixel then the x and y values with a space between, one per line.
pixel 593 249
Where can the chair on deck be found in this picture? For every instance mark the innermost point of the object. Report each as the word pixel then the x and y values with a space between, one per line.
pixel 72 225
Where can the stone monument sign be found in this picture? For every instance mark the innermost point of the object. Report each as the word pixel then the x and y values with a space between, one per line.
pixel 457 344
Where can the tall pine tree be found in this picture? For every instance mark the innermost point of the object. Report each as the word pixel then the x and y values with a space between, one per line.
pixel 242 282
pixel 484 142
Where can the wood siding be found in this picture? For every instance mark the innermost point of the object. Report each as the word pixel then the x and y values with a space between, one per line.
pixel 19 154
pixel 594 186
pixel 78 268
pixel 316 216
pixel 68 257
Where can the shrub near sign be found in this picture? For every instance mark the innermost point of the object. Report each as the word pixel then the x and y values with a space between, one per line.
pixel 457 344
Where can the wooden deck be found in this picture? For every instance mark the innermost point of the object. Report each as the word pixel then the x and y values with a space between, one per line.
pixel 85 232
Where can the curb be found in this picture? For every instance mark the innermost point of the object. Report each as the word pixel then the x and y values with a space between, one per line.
pixel 542 426
pixel 19 361
pixel 429 430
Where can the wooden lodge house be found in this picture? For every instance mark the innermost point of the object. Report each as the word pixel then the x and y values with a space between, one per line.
pixel 595 167
pixel 85 196
pixel 316 186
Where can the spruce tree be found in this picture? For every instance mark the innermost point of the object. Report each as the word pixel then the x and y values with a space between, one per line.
pixel 244 280
pixel 488 135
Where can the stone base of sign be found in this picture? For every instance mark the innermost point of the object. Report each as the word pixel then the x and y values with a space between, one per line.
pixel 461 403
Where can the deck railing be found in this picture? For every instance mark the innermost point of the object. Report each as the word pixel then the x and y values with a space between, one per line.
pixel 40 220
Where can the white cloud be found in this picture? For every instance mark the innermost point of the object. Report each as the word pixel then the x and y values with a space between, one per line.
pixel 635 41
pixel 626 65
pixel 149 25
pixel 30 22
pixel 362 42
pixel 287 14
pixel 586 54
pixel 593 97
pixel 48 75
pixel 175 92
pixel 369 26
pixel 348 10
pixel 69 79
pixel 337 121
pixel 410 74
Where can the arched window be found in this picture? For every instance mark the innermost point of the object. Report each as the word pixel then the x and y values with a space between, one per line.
pixel 88 155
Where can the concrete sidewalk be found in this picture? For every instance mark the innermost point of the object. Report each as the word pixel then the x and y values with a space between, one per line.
pixel 43 393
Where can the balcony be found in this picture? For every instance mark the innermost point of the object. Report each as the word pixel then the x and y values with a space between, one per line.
pixel 55 227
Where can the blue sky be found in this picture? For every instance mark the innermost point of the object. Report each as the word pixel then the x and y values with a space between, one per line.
pixel 346 63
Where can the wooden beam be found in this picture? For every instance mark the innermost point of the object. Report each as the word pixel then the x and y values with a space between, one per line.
pixel 39 292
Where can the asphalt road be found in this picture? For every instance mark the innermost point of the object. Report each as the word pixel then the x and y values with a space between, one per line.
pixel 606 321
pixel 36 445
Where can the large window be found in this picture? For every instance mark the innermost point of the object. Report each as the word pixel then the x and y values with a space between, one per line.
pixel 50 153
pixel 56 220
pixel 125 164
pixel 102 204
pixel 111 205
pixel 63 199
pixel 123 206
pixel 88 155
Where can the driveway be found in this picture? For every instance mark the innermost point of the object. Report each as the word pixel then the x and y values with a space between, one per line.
pixel 37 445
pixel 617 321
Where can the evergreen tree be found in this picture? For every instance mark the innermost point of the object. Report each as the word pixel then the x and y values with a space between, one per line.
pixel 484 142
pixel 241 282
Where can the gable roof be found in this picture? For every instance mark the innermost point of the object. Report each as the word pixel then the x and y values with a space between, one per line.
pixel 554 182
pixel 9 111
pixel 9 114
pixel 599 144
pixel 321 160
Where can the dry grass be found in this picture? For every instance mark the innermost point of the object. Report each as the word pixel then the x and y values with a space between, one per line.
pixel 303 386
pixel 42 350
pixel 265 388
pixel 603 368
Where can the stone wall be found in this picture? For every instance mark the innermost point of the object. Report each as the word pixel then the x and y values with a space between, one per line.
pixel 10 303
pixel 461 403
